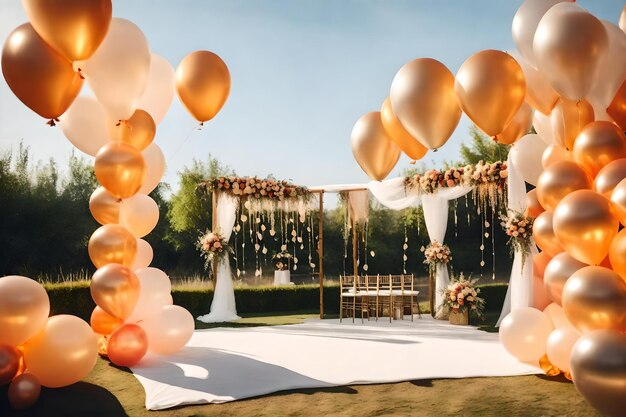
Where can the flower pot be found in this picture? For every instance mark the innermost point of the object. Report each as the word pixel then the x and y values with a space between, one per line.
pixel 461 318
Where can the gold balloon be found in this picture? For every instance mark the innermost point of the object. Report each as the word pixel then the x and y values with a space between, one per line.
pixel 533 207
pixel 24 308
pixel 491 88
pixel 104 206
pixel 120 169
pixel 543 233
pixel 559 180
pixel 598 362
pixel 41 78
pixel 407 143
pixel 555 153
pixel 24 391
pixel 423 98
pixel 618 197
pixel 568 46
pixel 103 323
pixel 617 108
pixel 609 176
pixel 115 289
pixel 540 262
pixel 598 144
pixel 585 223
pixel 74 28
pixel 558 271
pixel 547 367
pixel 9 363
pixel 112 243
pixel 138 131
pixel 568 118
pixel 520 125
pixel 617 253
pixel 372 147
pixel 203 84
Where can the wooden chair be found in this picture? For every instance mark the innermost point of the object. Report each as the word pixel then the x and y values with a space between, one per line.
pixel 347 296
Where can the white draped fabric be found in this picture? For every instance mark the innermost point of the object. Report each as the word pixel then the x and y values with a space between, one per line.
pixel 520 291
pixel 223 306
pixel 358 206
pixel 392 194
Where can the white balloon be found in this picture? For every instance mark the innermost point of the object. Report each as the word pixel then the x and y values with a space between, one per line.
pixel 169 330
pixel 154 293
pixel 155 167
pixel 143 256
pixel 538 88
pixel 526 155
pixel 612 68
pixel 524 332
pixel 543 126
pixel 525 24
pixel 159 92
pixel 85 125
pixel 118 71
pixel 559 346
pixel 139 214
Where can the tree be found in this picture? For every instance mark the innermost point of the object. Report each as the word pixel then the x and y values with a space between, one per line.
pixel 482 148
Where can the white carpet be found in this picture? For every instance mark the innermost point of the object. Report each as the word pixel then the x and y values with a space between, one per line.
pixel 220 365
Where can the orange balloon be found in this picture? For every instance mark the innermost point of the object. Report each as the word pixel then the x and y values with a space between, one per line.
pixel 539 264
pixel 104 206
pixel 598 144
pixel 543 233
pixel 120 169
pixel 553 154
pixel 112 243
pixel 559 180
pixel 491 88
pixel 423 98
pixel 127 345
pixel 138 131
pixel 203 84
pixel 594 298
pixel 556 274
pixel 24 391
pixel 585 223
pixel 40 77
pixel 533 207
pixel 568 118
pixel 9 363
pixel 407 143
pixel 103 323
pixel 609 176
pixel 617 253
pixel 372 147
pixel 618 197
pixel 115 289
pixel 617 108
pixel 74 28
pixel 520 125
pixel 24 308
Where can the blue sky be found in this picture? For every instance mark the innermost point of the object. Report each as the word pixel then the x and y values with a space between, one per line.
pixel 302 73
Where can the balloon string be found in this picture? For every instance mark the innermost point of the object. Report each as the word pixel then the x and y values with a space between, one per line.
pixel 186 139
pixel 52 121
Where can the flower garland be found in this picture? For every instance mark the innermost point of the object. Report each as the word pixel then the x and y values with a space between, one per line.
pixel 462 295
pixel 519 228
pixel 258 188
pixel 436 253
pixel 281 260
pixel 212 246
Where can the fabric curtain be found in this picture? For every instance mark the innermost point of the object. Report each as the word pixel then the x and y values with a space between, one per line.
pixel 223 306
pixel 520 292
pixel 358 206
pixel 392 194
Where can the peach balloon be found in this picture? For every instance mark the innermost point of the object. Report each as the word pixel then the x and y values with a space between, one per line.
pixel 540 262
pixel 543 125
pixel 617 108
pixel 568 118
pixel 138 131
pixel 585 223
pixel 155 167
pixel 24 391
pixel 594 298
pixel 127 345
pixel 9 363
pixel 539 93
pixel 139 214
pixel 169 330
pixel 372 147
pixel 154 291
pixel 533 207
pixel 144 255
pixel 557 316
pixel 24 309
pixel 558 271
pixel 120 168
pixel 609 176
pixel 63 352
pixel 618 197
pixel 407 143
pixel 543 233
pixel 524 332
pixel 598 144
pixel 559 346
pixel 104 206
pixel 115 289
pixel 103 323
pixel 112 243
pixel 540 295
pixel 617 253
pixel 159 93
pixel 554 154
pixel 561 179
pixel 519 126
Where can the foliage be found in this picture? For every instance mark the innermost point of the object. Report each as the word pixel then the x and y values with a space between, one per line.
pixel 461 295
pixel 482 148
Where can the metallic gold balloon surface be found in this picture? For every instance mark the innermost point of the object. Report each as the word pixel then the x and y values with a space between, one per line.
pixel 120 169
pixel 112 243
pixel 543 233
pixel 617 108
pixel 372 147
pixel 617 253
pixel 75 28
pixel 9 363
pixel 599 370
pixel 618 197
pixel 598 144
pixel 568 46
pixel 127 345
pixel 520 125
pixel 104 206
pixel 594 298
pixel 585 222
pixel 609 176
pixel 568 118
pixel 559 180
pixel 423 98
pixel 203 84
pixel 491 88
pixel 24 391
pixel 103 323
pixel 558 271
pixel 41 78
pixel 138 131
pixel 115 289
pixel 533 207
pixel 547 367
pixel 407 143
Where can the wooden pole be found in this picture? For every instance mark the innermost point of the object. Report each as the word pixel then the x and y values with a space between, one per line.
pixel 320 251
pixel 213 229
pixel 431 294
pixel 354 253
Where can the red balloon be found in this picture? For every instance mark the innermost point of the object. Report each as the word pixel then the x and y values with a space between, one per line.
pixel 127 345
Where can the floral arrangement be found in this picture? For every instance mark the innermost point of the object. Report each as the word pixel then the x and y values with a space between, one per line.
pixel 483 173
pixel 462 295
pixel 519 228
pixel 281 260
pixel 211 246
pixel 436 253
pixel 254 187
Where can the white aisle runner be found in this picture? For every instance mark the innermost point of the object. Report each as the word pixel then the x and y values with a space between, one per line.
pixel 220 365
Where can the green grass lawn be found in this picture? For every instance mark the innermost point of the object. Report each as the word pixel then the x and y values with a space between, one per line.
pixel 110 391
